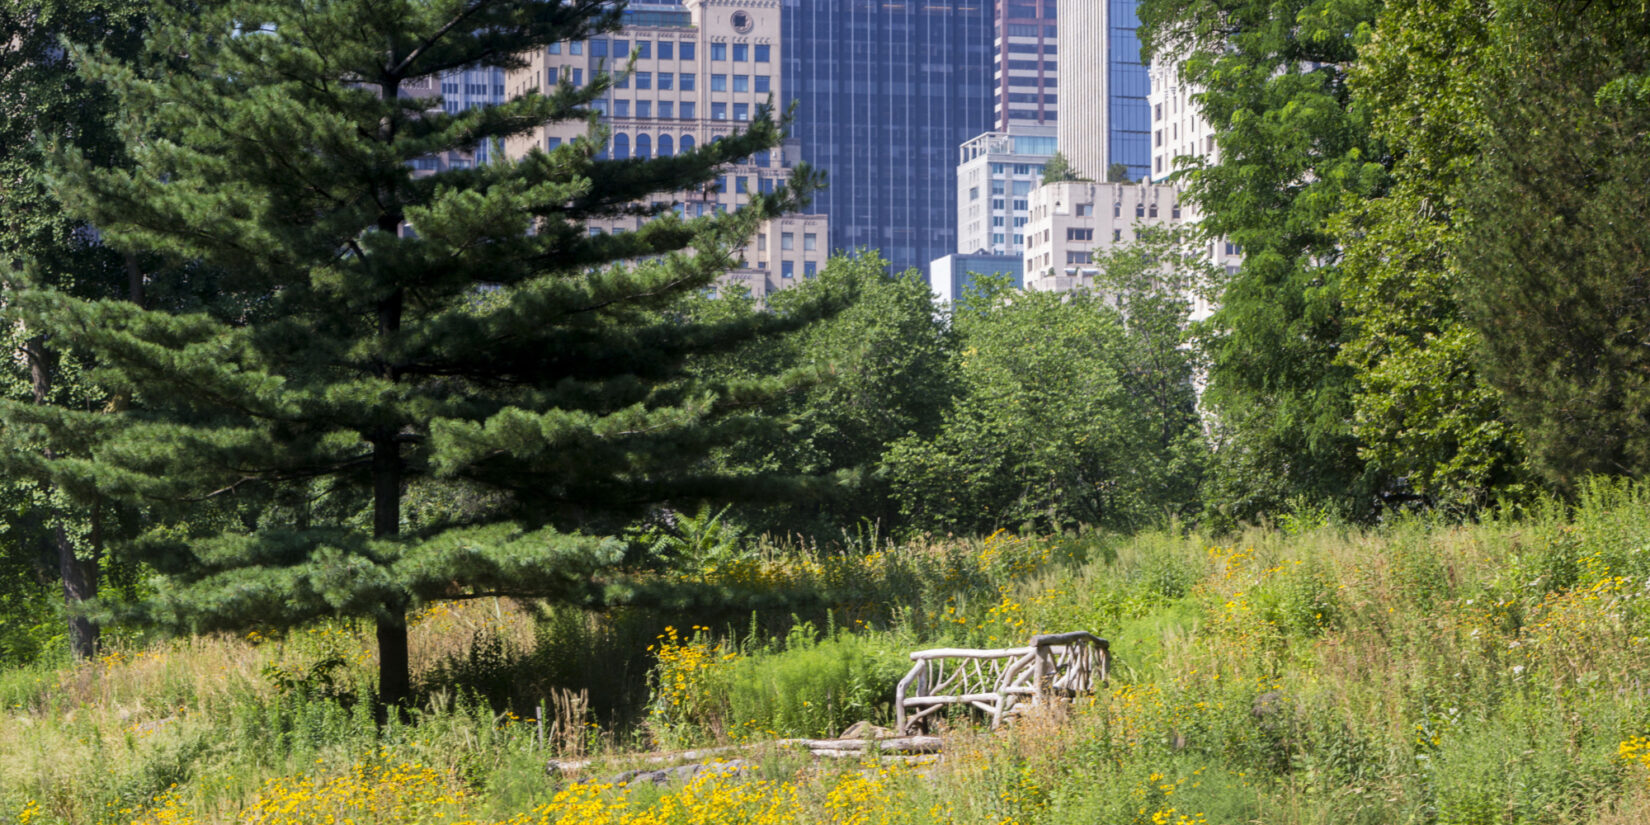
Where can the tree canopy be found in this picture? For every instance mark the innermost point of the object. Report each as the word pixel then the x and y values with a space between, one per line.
pixel 381 332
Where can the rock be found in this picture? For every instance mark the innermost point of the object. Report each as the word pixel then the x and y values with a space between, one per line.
pixel 865 730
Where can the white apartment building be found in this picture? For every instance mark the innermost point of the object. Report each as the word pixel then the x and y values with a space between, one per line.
pixel 1071 220
pixel 702 70
pixel 1178 127
pixel 1179 130
pixel 995 175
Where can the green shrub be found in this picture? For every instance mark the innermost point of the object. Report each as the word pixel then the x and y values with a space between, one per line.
pixel 815 688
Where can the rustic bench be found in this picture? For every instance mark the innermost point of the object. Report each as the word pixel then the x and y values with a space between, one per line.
pixel 1000 682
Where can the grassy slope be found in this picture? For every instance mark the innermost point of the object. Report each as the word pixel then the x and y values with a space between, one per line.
pixel 1497 673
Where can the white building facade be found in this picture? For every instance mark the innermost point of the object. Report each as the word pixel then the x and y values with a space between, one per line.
pixel 996 173
pixel 702 70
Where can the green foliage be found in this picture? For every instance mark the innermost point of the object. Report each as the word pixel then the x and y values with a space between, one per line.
pixel 1072 409
pixel 1423 412
pixel 1058 169
pixel 890 374
pixel 814 687
pixel 1554 233
pixel 347 360
pixel 1294 146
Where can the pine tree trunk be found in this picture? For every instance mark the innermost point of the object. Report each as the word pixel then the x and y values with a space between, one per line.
pixel 79 575
pixel 394 676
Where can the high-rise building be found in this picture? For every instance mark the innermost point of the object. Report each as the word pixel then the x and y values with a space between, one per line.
pixel 702 70
pixel 886 90
pixel 995 176
pixel 1178 127
pixel 1072 219
pixel 1025 73
pixel 1104 117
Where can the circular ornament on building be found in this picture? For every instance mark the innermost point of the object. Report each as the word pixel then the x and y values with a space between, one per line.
pixel 742 22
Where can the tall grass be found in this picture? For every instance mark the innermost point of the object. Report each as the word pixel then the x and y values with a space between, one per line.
pixel 1423 672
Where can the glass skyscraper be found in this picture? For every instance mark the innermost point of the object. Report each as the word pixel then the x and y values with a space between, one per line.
pixel 1104 117
pixel 886 90
pixel 1129 130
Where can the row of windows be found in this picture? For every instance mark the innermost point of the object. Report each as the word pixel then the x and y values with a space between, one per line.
pixel 787 242
pixel 669 50
pixel 644 109
pixel 761 83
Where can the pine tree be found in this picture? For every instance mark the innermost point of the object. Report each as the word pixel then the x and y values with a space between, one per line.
pixel 1556 235
pixel 456 337
pixel 40 92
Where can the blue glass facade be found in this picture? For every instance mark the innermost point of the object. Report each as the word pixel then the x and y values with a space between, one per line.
pixel 1129 141
pixel 885 91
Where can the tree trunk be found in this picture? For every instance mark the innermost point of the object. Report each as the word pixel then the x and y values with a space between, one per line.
pixel 394 666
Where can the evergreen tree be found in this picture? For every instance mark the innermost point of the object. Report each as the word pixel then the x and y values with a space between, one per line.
pixel 41 93
pixel 385 334
pixel 1556 234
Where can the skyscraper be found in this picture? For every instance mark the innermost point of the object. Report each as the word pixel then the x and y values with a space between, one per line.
pixel 886 90
pixel 1026 58
pixel 703 69
pixel 1104 117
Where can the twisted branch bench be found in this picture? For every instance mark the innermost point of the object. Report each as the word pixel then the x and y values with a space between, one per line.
pixel 1001 681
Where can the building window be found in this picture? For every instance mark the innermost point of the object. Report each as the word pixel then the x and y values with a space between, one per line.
pixel 1116 235
pixel 762 242
pixel 998 220
pixel 1160 164
pixel 1157 112
pixel 555 48
pixel 1085 210
pixel 578 77
pixel 689 109
pixel 667 50
pixel 644 80
pixel 787 240
pixel 809 269
pixel 1174 212
pixel 1159 137
pixel 644 147
pixel 810 242
pixel 667 108
pixel 621 81
pixel 1079 257
pixel 1140 210
pixel 741 111
pixel 787 269
pixel 741 82
pixel 973 193
pixel 741 185
pixel 718 82
pixel 1021 205
pixel 552 142
pixel 687 140
pixel 598 47
pixel 644 108
pixel 621 48
pixel 762 84
pixel 1151 211
pixel 621 108
pixel 998 187
pixel 718 51
pixel 741 53
pixel 687 82
pixel 621 146
pixel 1079 234
pixel 667 80
pixel 665 149
pixel 718 111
